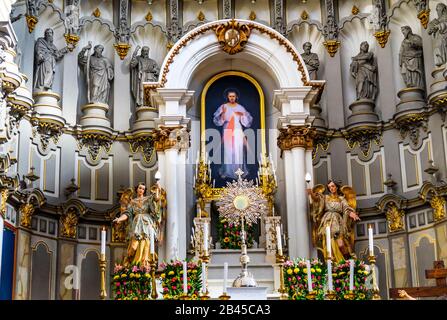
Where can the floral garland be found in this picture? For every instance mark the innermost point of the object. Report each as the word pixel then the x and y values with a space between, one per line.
pixel 295 279
pixel 296 285
pixel 172 279
pixel 230 235
pixel 340 275
pixel 132 283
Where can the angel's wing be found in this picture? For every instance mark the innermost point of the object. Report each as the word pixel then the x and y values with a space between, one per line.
pixel 316 213
pixel 350 195
pixel 126 197
pixel 319 188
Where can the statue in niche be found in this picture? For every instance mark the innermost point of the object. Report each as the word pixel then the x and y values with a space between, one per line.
pixel 336 210
pixel 311 60
pixel 364 70
pixel 33 7
pixel 99 73
pixel 122 34
pixel 411 59
pixel 45 57
pixel 438 28
pixel 421 5
pixel 71 20
pixel 143 69
pixel 330 30
pixel 146 215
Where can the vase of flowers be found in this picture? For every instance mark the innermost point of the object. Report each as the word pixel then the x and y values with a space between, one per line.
pixel 340 275
pixel 296 279
pixel 230 235
pixel 172 279
pixel 131 283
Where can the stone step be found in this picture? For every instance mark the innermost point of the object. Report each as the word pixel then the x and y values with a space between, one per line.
pixel 219 256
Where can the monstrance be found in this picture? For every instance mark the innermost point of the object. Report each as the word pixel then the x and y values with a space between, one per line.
pixel 242 203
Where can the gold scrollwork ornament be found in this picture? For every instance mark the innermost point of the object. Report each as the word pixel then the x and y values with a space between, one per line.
pixel 69 223
pixel 438 205
pixel 26 213
pixel 395 218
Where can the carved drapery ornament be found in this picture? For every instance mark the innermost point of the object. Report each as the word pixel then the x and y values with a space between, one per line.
pixel 438 205
pixel 395 218
pixel 47 130
pixel 143 144
pixel 94 142
pixel 26 213
pixel 382 37
pixel 171 138
pixel 363 138
pixel 233 36
pixel 296 136
pixel 69 223
pixel 410 124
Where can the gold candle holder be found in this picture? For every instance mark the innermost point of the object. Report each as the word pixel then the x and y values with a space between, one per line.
pixel 330 295
pixel 184 296
pixel 350 295
pixel 205 296
pixel 224 296
pixel 283 295
pixel 154 294
pixel 375 289
pixel 311 295
pixel 102 268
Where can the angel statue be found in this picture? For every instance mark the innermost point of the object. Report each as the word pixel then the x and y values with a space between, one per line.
pixel 336 209
pixel 146 214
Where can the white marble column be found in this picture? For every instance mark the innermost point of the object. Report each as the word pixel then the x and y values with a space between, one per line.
pixel 302 217
pixel 172 220
pixel 291 204
pixel 309 169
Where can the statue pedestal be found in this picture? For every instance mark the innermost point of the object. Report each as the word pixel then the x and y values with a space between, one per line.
pixel 145 118
pixel 247 293
pixel 362 111
pixel 95 115
pixel 410 99
pixel 438 88
pixel 47 103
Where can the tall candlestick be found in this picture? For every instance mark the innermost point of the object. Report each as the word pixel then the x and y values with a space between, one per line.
pixel 309 276
pixel 351 275
pixel 103 241
pixel 205 238
pixel 185 278
pixel 328 241
pixel 329 275
pixel 371 242
pixel 203 277
pixel 152 242
pixel 278 239
pixel 225 277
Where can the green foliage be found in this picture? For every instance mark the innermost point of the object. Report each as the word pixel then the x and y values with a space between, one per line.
pixel 230 235
pixel 133 283
pixel 172 280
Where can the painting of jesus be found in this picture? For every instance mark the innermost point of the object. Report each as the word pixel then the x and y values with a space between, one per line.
pixel 234 118
pixel 233 126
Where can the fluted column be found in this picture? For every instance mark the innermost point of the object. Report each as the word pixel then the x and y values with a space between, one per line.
pixel 294 141
pixel 171 140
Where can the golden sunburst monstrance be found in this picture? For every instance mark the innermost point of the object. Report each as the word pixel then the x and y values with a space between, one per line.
pixel 242 201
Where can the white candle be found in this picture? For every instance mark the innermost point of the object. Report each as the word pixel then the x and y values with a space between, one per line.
pixel 273 210
pixel 371 242
pixel 185 278
pixel 309 276
pixel 103 241
pixel 278 239
pixel 329 275
pixel 328 241
pixel 152 241
pixel 203 277
pixel 205 237
pixel 225 277
pixel 351 275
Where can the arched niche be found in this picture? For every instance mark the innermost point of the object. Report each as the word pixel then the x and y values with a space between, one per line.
pixel 351 36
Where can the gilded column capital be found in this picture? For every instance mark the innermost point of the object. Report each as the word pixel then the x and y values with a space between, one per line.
pixel 296 137
pixel 171 138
